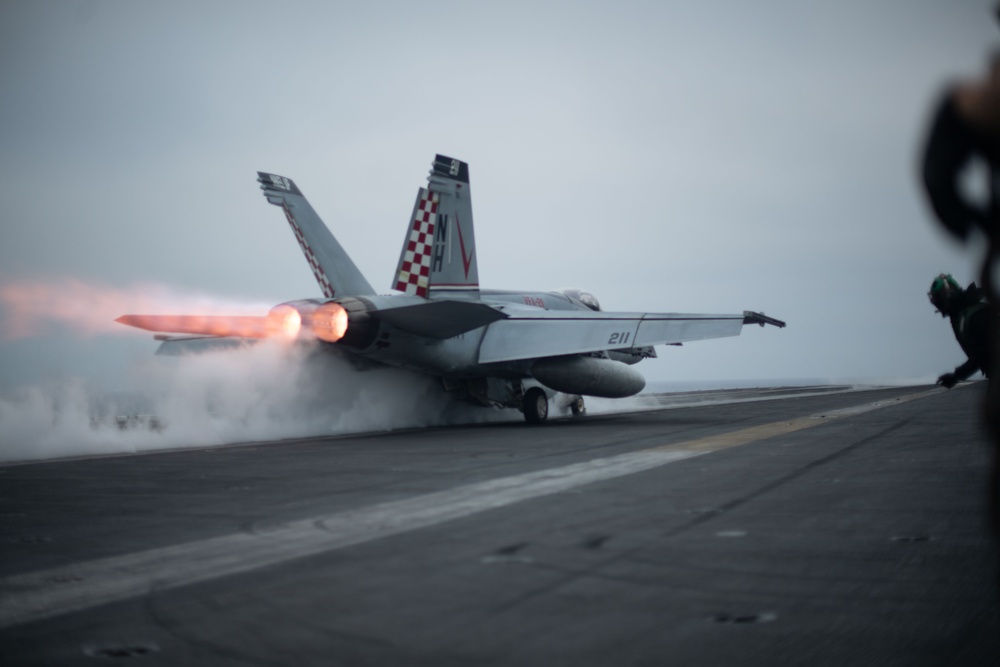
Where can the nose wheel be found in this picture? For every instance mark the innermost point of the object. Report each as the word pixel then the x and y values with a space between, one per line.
pixel 535 406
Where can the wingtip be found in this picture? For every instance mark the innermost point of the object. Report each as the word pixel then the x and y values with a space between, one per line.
pixel 750 317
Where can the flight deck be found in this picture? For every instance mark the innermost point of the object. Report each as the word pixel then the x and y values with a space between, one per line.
pixel 822 528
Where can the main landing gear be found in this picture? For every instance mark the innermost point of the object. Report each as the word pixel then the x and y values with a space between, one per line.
pixel 535 406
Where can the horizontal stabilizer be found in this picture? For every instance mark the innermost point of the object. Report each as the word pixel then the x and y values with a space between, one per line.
pixel 440 319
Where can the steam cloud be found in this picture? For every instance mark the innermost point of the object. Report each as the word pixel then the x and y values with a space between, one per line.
pixel 267 391
pixel 262 392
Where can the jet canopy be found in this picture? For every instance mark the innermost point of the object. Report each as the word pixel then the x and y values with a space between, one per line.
pixel 586 298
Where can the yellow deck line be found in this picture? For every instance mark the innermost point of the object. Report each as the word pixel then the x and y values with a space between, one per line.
pixel 754 433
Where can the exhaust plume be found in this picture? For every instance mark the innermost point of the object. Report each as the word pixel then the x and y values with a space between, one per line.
pixel 31 308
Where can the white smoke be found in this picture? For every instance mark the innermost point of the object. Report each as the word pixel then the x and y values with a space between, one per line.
pixel 267 391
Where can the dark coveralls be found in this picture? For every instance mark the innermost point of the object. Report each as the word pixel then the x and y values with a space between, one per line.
pixel 971 321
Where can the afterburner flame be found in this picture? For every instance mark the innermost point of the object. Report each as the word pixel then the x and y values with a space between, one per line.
pixel 329 322
pixel 240 326
pixel 30 308
pixel 35 308
pixel 284 322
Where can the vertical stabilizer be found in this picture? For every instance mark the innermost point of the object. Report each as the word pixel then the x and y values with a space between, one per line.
pixel 336 274
pixel 439 252
pixel 413 274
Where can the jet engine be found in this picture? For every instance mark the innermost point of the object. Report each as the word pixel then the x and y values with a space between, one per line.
pixel 588 376
pixel 346 321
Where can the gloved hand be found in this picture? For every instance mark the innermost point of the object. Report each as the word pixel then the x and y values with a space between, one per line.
pixel 948 380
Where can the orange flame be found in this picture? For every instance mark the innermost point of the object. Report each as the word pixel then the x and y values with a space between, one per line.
pixel 30 308
pixel 329 322
pixel 243 326
pixel 284 321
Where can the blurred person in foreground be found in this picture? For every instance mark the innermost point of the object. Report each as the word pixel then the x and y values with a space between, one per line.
pixel 966 129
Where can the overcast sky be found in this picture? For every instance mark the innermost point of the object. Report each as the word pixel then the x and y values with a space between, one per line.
pixel 700 156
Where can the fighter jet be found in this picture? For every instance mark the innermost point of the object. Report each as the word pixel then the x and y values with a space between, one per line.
pixel 504 349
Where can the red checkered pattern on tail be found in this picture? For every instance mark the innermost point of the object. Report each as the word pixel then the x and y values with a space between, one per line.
pixel 415 270
pixel 317 270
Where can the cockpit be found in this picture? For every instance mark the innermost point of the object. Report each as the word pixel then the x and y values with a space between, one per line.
pixel 586 298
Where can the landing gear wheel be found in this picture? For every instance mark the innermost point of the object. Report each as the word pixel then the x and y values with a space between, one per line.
pixel 536 406
pixel 577 407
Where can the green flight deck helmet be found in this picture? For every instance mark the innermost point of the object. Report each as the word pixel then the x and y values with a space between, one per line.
pixel 943 289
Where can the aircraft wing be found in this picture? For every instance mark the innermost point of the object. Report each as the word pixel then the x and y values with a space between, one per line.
pixel 532 335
